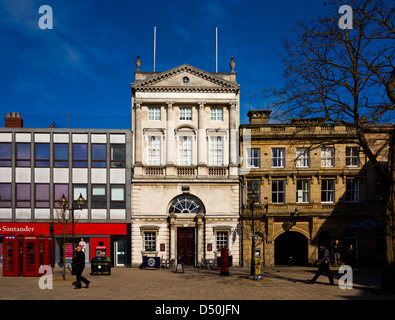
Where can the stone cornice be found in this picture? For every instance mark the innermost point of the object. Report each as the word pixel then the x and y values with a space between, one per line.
pixel 148 83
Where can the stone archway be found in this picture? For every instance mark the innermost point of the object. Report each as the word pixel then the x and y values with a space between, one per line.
pixel 291 244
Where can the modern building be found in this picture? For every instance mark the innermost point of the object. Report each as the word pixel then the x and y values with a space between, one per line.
pixel 185 189
pixel 314 186
pixel 40 166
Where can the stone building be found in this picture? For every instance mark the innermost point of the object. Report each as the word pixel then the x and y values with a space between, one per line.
pixel 185 190
pixel 38 166
pixel 314 186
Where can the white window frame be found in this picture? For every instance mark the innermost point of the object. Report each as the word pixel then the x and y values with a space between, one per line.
pixel 278 158
pixel 222 239
pixel 325 188
pixel 154 113
pixel 253 157
pixel 217 151
pixel 352 154
pixel 327 157
pixel 278 192
pixel 303 191
pixel 352 188
pixel 154 156
pixel 216 114
pixel 150 239
pixel 302 158
pixel 185 114
pixel 185 151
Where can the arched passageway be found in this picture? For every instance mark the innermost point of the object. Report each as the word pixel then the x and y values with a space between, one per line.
pixel 291 244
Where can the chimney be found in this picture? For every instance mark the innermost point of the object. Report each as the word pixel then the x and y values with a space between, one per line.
pixel 14 121
pixel 259 116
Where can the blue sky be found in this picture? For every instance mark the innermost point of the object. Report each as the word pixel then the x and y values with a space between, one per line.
pixel 83 67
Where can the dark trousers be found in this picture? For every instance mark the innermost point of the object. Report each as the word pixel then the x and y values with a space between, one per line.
pixel 324 266
pixel 80 278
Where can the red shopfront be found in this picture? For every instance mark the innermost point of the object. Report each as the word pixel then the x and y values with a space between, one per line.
pixel 114 236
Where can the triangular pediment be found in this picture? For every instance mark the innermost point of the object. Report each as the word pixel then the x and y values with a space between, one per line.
pixel 185 78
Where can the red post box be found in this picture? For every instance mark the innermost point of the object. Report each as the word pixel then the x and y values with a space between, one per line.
pixel 224 261
pixel 12 255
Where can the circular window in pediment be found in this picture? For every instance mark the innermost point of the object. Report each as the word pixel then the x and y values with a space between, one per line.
pixel 186 204
pixel 185 79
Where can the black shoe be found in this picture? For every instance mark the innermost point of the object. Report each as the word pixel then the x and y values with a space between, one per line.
pixel 310 281
pixel 87 285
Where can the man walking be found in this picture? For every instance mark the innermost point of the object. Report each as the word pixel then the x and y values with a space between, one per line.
pixel 323 264
pixel 79 268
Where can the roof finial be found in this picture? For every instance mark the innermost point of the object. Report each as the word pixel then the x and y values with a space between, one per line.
pixel 138 63
pixel 232 65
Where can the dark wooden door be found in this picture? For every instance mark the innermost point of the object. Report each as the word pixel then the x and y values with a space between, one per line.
pixel 186 246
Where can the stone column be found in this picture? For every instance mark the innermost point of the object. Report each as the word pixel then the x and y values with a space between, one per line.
pixel 201 141
pixel 172 227
pixel 199 239
pixel 232 130
pixel 138 135
pixel 170 134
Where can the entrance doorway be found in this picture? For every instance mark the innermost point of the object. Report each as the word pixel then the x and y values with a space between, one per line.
pixel 186 246
pixel 120 248
pixel 291 244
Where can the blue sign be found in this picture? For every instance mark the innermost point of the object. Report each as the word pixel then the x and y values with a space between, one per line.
pixel 151 262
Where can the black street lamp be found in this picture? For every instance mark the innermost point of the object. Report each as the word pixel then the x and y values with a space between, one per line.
pixel 80 202
pixel 287 225
pixel 252 200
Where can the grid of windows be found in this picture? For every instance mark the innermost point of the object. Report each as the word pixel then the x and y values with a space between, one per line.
pixel 222 239
pixel 185 114
pixel 216 151
pixel 154 150
pixel 303 191
pixel 150 241
pixel 154 114
pixel 185 151
pixel 278 191
pixel 254 187
pixel 216 114
pixel 278 157
pixel 327 157
pixel 302 158
pixel 328 190
pixel 253 158
pixel 352 190
pixel 352 156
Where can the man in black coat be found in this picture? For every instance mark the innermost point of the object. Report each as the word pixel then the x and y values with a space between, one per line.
pixel 79 268
pixel 323 264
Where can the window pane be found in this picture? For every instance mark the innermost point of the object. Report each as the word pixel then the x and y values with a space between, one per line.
pixel 23 154
pixel 23 195
pixel 154 150
pixel 61 155
pixel 60 190
pixel 42 155
pixel 117 194
pixel 80 190
pixel 42 195
pixel 80 155
pixel 117 156
pixel 99 199
pixel 98 155
pixel 5 195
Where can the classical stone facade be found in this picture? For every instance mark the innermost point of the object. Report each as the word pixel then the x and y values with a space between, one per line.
pixel 318 170
pixel 185 190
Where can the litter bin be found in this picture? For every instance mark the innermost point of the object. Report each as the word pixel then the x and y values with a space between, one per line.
pixel 100 265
